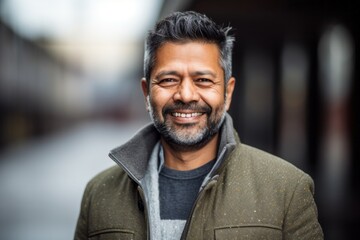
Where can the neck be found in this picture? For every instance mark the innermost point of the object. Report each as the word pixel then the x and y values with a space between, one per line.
pixel 182 159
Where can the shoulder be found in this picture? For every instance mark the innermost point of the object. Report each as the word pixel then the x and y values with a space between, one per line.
pixel 108 174
pixel 107 179
pixel 265 161
pixel 256 175
pixel 263 167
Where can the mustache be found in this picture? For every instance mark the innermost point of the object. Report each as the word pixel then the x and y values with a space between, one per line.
pixel 193 106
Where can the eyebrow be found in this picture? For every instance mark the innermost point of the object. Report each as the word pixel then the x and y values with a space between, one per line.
pixel 175 73
pixel 164 73
pixel 202 73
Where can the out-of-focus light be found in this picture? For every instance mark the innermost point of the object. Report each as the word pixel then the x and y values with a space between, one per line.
pixel 336 62
pixel 336 71
pixel 87 19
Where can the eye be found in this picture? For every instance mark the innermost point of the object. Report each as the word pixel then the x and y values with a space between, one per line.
pixel 167 82
pixel 204 82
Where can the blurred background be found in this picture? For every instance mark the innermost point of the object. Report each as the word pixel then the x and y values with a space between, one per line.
pixel 69 92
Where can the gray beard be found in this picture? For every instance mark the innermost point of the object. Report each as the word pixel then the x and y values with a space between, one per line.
pixel 186 141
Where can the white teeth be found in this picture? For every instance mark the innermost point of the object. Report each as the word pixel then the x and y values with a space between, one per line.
pixel 186 115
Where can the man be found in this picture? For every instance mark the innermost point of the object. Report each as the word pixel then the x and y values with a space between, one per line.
pixel 187 175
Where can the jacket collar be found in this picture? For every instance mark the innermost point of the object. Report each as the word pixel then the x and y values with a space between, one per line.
pixel 133 156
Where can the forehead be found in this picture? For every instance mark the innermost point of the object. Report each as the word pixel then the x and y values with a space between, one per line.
pixel 192 54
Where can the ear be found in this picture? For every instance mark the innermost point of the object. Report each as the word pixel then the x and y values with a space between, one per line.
pixel 145 90
pixel 230 86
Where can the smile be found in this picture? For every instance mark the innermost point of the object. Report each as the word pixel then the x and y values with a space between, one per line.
pixel 186 115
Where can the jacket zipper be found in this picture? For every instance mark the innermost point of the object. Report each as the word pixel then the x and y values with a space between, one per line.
pixel 140 190
pixel 203 187
pixel 201 193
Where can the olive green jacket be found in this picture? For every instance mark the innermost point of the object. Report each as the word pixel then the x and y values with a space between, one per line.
pixel 250 195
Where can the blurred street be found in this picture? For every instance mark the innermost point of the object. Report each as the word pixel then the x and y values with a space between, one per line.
pixel 42 181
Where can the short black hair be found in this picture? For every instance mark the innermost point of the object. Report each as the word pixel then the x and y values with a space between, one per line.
pixel 188 26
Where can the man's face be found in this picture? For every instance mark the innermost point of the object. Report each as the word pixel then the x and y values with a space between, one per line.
pixel 187 97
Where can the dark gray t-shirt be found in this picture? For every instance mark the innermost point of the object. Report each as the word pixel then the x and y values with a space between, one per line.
pixel 178 190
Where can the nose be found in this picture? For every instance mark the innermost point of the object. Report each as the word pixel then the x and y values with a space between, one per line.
pixel 187 91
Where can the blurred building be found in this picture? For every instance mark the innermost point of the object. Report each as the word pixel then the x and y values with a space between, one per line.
pixel 31 86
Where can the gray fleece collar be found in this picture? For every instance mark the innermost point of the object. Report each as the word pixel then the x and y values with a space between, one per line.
pixel 133 156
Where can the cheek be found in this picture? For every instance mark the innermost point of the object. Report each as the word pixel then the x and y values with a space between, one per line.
pixel 160 94
pixel 213 98
pixel 159 98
